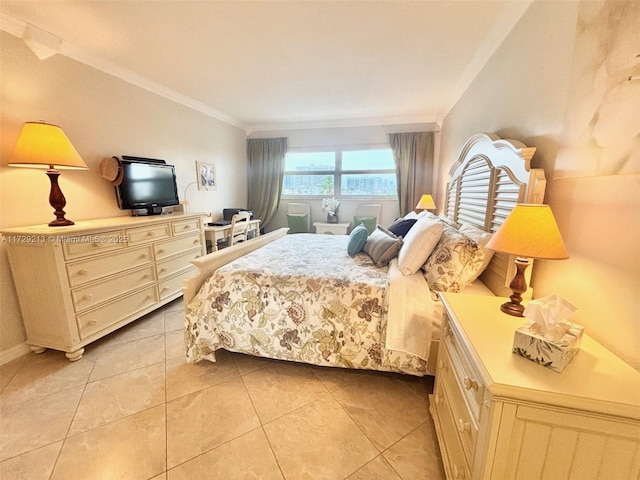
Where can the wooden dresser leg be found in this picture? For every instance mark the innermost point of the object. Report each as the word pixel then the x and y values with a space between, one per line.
pixel 37 349
pixel 74 356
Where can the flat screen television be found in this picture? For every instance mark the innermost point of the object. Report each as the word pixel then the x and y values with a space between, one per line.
pixel 147 186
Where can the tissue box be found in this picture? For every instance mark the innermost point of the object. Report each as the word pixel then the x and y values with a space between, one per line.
pixel 530 344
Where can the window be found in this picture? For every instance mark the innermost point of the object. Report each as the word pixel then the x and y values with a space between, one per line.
pixel 344 173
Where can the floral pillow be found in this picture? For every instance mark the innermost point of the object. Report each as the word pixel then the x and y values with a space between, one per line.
pixel 454 262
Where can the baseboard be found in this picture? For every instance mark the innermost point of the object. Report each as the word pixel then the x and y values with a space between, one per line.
pixel 14 352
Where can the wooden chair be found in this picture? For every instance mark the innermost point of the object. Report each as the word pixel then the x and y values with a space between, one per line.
pixel 369 214
pixel 239 227
pixel 299 217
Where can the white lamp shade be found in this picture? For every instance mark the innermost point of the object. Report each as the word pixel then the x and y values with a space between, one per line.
pixel 530 231
pixel 42 144
pixel 426 203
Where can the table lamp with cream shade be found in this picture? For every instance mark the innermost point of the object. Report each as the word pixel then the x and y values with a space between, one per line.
pixel 426 203
pixel 529 231
pixel 42 145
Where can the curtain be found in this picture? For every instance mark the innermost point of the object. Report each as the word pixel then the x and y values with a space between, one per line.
pixel 413 154
pixel 265 175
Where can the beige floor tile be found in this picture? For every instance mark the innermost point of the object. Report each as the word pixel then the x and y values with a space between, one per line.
pixel 335 378
pixel 377 469
pixel 174 345
pixel 35 423
pixel 206 419
pixel 130 448
pixel 385 409
pixel 319 441
pixel 232 460
pixel 148 326
pixel 120 358
pixel 177 304
pixel 162 476
pixel 417 455
pixel 112 398
pixel 184 378
pixel 9 369
pixel 280 389
pixel 44 374
pixel 174 319
pixel 247 364
pixel 35 465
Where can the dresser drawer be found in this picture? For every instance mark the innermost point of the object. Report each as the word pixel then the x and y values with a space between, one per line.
pixel 95 293
pixel 455 462
pixel 148 233
pixel 95 320
pixel 182 262
pixel 186 226
pixel 173 285
pixel 92 244
pixel 179 245
pixel 469 379
pixel 465 423
pixel 97 267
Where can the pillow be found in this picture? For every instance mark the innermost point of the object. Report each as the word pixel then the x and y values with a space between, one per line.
pixel 382 246
pixel 454 263
pixel 357 239
pixel 448 221
pixel 411 215
pixel 401 226
pixel 481 237
pixel 418 244
pixel 298 222
pixel 369 222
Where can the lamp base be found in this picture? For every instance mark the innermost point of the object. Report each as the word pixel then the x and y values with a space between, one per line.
pixel 57 200
pixel 512 308
pixel 518 286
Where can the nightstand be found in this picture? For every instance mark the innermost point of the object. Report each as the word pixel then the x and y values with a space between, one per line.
pixel 501 416
pixel 332 228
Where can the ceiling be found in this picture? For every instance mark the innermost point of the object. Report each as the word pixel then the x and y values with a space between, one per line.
pixel 265 65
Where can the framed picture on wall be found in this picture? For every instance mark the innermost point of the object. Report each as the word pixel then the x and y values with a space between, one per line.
pixel 206 173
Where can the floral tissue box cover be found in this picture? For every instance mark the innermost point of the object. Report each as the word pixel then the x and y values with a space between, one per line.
pixel 556 355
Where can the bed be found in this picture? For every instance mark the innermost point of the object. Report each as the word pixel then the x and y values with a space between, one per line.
pixel 303 298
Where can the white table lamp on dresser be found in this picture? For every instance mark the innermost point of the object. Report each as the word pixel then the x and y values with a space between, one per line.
pixel 42 145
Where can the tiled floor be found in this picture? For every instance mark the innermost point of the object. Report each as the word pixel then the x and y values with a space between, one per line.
pixel 131 408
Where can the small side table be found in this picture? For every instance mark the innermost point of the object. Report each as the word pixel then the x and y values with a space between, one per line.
pixel 331 228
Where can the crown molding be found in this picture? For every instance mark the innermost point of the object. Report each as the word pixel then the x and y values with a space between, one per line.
pixel 18 28
pixel 344 123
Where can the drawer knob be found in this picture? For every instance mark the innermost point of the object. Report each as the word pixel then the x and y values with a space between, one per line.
pixel 152 234
pixel 161 250
pixel 442 365
pixel 186 227
pixel 150 296
pixel 162 270
pixel 92 322
pixel 470 383
pixel 146 275
pixel 463 426
pixel 88 296
pixel 95 244
pixel 83 271
pixel 439 399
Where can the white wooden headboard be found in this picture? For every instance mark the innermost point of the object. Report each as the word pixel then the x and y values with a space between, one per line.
pixel 489 178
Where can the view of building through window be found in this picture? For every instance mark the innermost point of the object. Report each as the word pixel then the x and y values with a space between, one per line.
pixel 344 173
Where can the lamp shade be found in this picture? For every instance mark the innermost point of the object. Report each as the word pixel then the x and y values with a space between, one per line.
pixel 426 203
pixel 42 144
pixel 530 231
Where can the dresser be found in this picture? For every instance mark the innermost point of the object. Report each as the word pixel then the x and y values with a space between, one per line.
pixel 500 416
pixel 76 284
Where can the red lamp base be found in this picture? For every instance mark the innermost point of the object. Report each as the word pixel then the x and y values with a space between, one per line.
pixel 57 200
pixel 518 286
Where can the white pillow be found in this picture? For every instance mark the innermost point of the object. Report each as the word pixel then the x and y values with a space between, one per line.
pixel 411 214
pixel 482 238
pixel 418 244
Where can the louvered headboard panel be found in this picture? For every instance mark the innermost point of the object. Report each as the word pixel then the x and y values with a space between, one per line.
pixel 489 178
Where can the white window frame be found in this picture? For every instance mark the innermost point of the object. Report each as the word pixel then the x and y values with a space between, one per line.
pixel 338 172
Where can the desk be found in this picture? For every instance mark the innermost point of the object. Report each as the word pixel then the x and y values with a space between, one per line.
pixel 214 234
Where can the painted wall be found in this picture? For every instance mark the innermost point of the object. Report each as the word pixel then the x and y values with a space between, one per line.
pixel 524 93
pixel 102 116
pixel 357 137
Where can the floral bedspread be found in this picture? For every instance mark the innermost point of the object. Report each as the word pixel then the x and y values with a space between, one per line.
pixel 300 298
